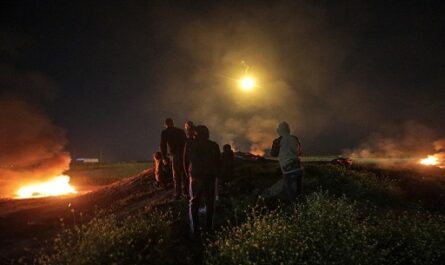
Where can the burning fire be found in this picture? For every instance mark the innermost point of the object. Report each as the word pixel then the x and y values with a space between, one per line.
pixel 54 187
pixel 431 160
pixel 257 152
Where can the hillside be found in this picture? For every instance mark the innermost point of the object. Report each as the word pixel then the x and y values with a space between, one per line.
pixel 395 215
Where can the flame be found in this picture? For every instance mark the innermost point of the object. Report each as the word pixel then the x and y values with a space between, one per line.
pixel 257 152
pixel 54 187
pixel 431 160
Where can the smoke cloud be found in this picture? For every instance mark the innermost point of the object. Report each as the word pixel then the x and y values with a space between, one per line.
pixel 31 147
pixel 281 44
pixel 402 145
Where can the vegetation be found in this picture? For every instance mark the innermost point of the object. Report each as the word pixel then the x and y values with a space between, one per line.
pixel 325 230
pixel 135 239
pixel 346 216
pixel 102 174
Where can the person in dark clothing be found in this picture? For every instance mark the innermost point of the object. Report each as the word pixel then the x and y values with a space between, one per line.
pixel 227 158
pixel 172 148
pixel 202 160
pixel 163 173
pixel 190 132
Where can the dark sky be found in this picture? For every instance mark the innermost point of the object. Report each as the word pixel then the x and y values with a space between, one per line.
pixel 338 71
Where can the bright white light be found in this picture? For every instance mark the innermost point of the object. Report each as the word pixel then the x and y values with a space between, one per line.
pixel 247 83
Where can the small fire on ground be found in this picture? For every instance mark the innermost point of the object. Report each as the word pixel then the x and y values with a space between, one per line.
pixel 54 187
pixel 432 160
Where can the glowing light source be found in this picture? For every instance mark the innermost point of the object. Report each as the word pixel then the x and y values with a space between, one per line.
pixel 429 161
pixel 247 83
pixel 54 187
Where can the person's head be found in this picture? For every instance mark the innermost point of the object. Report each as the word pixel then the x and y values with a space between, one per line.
pixel 189 125
pixel 157 155
pixel 168 123
pixel 227 148
pixel 202 132
pixel 189 128
pixel 283 128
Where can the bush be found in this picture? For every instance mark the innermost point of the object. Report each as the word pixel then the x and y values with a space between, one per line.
pixel 329 231
pixel 134 240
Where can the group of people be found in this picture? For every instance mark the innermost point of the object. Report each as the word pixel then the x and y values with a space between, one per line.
pixel 195 164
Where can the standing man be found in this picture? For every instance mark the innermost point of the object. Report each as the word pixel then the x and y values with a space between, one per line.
pixel 172 148
pixel 287 148
pixel 202 163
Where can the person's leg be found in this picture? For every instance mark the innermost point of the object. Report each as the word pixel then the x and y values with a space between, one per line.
pixel 176 171
pixel 289 186
pixel 183 181
pixel 210 204
pixel 195 192
pixel 299 183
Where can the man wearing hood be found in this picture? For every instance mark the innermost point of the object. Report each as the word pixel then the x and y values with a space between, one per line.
pixel 287 148
pixel 202 165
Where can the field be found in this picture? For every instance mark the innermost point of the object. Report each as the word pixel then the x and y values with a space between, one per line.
pixel 360 215
pixel 101 174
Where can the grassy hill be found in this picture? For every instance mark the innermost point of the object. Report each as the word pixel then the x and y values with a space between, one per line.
pixel 363 215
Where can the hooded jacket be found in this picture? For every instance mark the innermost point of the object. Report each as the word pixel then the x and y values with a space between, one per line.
pixel 287 148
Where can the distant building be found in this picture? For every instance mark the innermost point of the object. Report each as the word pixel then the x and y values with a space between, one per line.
pixel 87 160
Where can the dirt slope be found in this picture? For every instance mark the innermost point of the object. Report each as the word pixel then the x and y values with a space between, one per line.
pixel 25 224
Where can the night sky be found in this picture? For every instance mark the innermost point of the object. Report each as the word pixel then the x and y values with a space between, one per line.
pixel 342 73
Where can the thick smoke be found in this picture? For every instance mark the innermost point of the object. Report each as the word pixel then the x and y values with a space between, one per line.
pixel 401 144
pixel 31 147
pixel 285 48
pixel 329 70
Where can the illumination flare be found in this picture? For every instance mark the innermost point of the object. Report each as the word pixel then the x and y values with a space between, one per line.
pixel 247 83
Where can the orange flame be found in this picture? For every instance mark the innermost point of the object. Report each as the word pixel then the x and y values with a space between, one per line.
pixel 257 152
pixel 54 187
pixel 430 160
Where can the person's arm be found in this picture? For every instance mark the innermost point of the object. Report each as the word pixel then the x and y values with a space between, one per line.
pixel 183 137
pixel 217 159
pixel 299 147
pixel 275 147
pixel 186 159
pixel 163 145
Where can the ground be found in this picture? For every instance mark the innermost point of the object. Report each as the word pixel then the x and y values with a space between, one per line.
pixel 28 227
